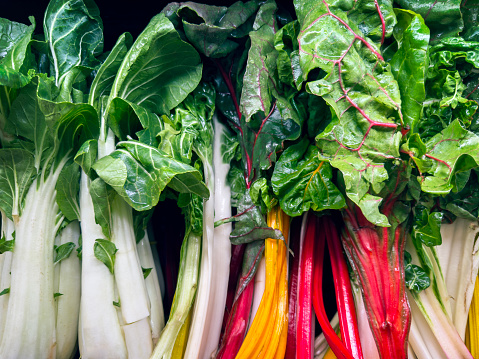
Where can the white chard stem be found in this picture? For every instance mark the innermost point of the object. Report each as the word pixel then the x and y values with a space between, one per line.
pixel 68 303
pixel 101 334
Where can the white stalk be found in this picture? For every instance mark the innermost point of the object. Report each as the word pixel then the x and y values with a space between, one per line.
pixel 459 258
pixel 221 255
pixel 128 273
pixel 30 322
pixel 68 303
pixel 101 334
pixel 157 317
pixel 184 295
pixel 368 343
pixel 421 338
pixel 259 287
pixel 6 267
pixel 431 305
pixel 138 339
pixel 320 344
pixel 199 329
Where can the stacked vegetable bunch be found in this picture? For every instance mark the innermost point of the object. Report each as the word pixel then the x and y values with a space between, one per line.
pixel 358 116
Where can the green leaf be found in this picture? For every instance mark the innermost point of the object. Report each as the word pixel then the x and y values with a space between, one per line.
pixel 102 197
pixel 409 64
pixel 56 295
pixel 416 277
pixel 117 304
pixel 443 17
pixel 470 12
pixel 105 251
pixel 5 291
pixel 262 195
pixel 16 175
pixel 74 31
pixel 6 246
pixel 139 173
pixel 211 29
pixel 67 187
pixel 375 19
pixel 259 80
pixel 287 63
pixel 302 181
pixel 364 99
pixel 146 272
pixel 427 227
pixel 105 76
pixel 86 155
pixel 160 69
pixel 452 151
pixel 63 251
pixel 14 44
pixel 126 119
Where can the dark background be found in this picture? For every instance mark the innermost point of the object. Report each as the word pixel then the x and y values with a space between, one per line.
pixel 117 16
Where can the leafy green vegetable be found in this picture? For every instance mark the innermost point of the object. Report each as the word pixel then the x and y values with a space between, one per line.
pixel 104 251
pixel 6 246
pixel 63 251
pixel 416 278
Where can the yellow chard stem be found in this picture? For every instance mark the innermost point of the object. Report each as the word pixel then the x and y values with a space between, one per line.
pixel 266 337
pixel 182 338
pixel 472 332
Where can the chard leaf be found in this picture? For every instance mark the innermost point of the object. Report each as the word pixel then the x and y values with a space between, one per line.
pixel 287 63
pixel 158 47
pixel 443 17
pixel 5 291
pixel 427 227
pixel 363 96
pixel 409 64
pixel 126 118
pixel 251 260
pixel 14 43
pixel 102 197
pixel 452 151
pixel 74 32
pixel 302 181
pixel 416 277
pixel 17 171
pixel 139 173
pixel 250 223
pixel 464 203
pixel 211 29
pixel 67 187
pixel 63 251
pixel 56 295
pixel 103 81
pixel 86 155
pixel 376 19
pixel 146 272
pixel 259 79
pixel 6 246
pixel 105 251
pixel 470 12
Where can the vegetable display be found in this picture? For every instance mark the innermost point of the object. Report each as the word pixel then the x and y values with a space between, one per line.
pixel 325 163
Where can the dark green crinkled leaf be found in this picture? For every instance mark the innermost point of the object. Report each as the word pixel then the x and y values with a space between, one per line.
pixel 16 174
pixel 364 98
pixel 427 227
pixel 14 44
pixel 409 64
pixel 416 277
pixel 262 195
pixel 259 79
pixel 105 251
pixel 452 151
pixel 140 222
pixel 443 17
pixel 302 181
pixel 212 29
pixel 375 19
pixel 74 31
pixel 139 173
pixel 102 197
pixel 63 251
pixel 67 187
pixel 287 48
pixel 470 12
pixel 158 47
pixel 465 203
